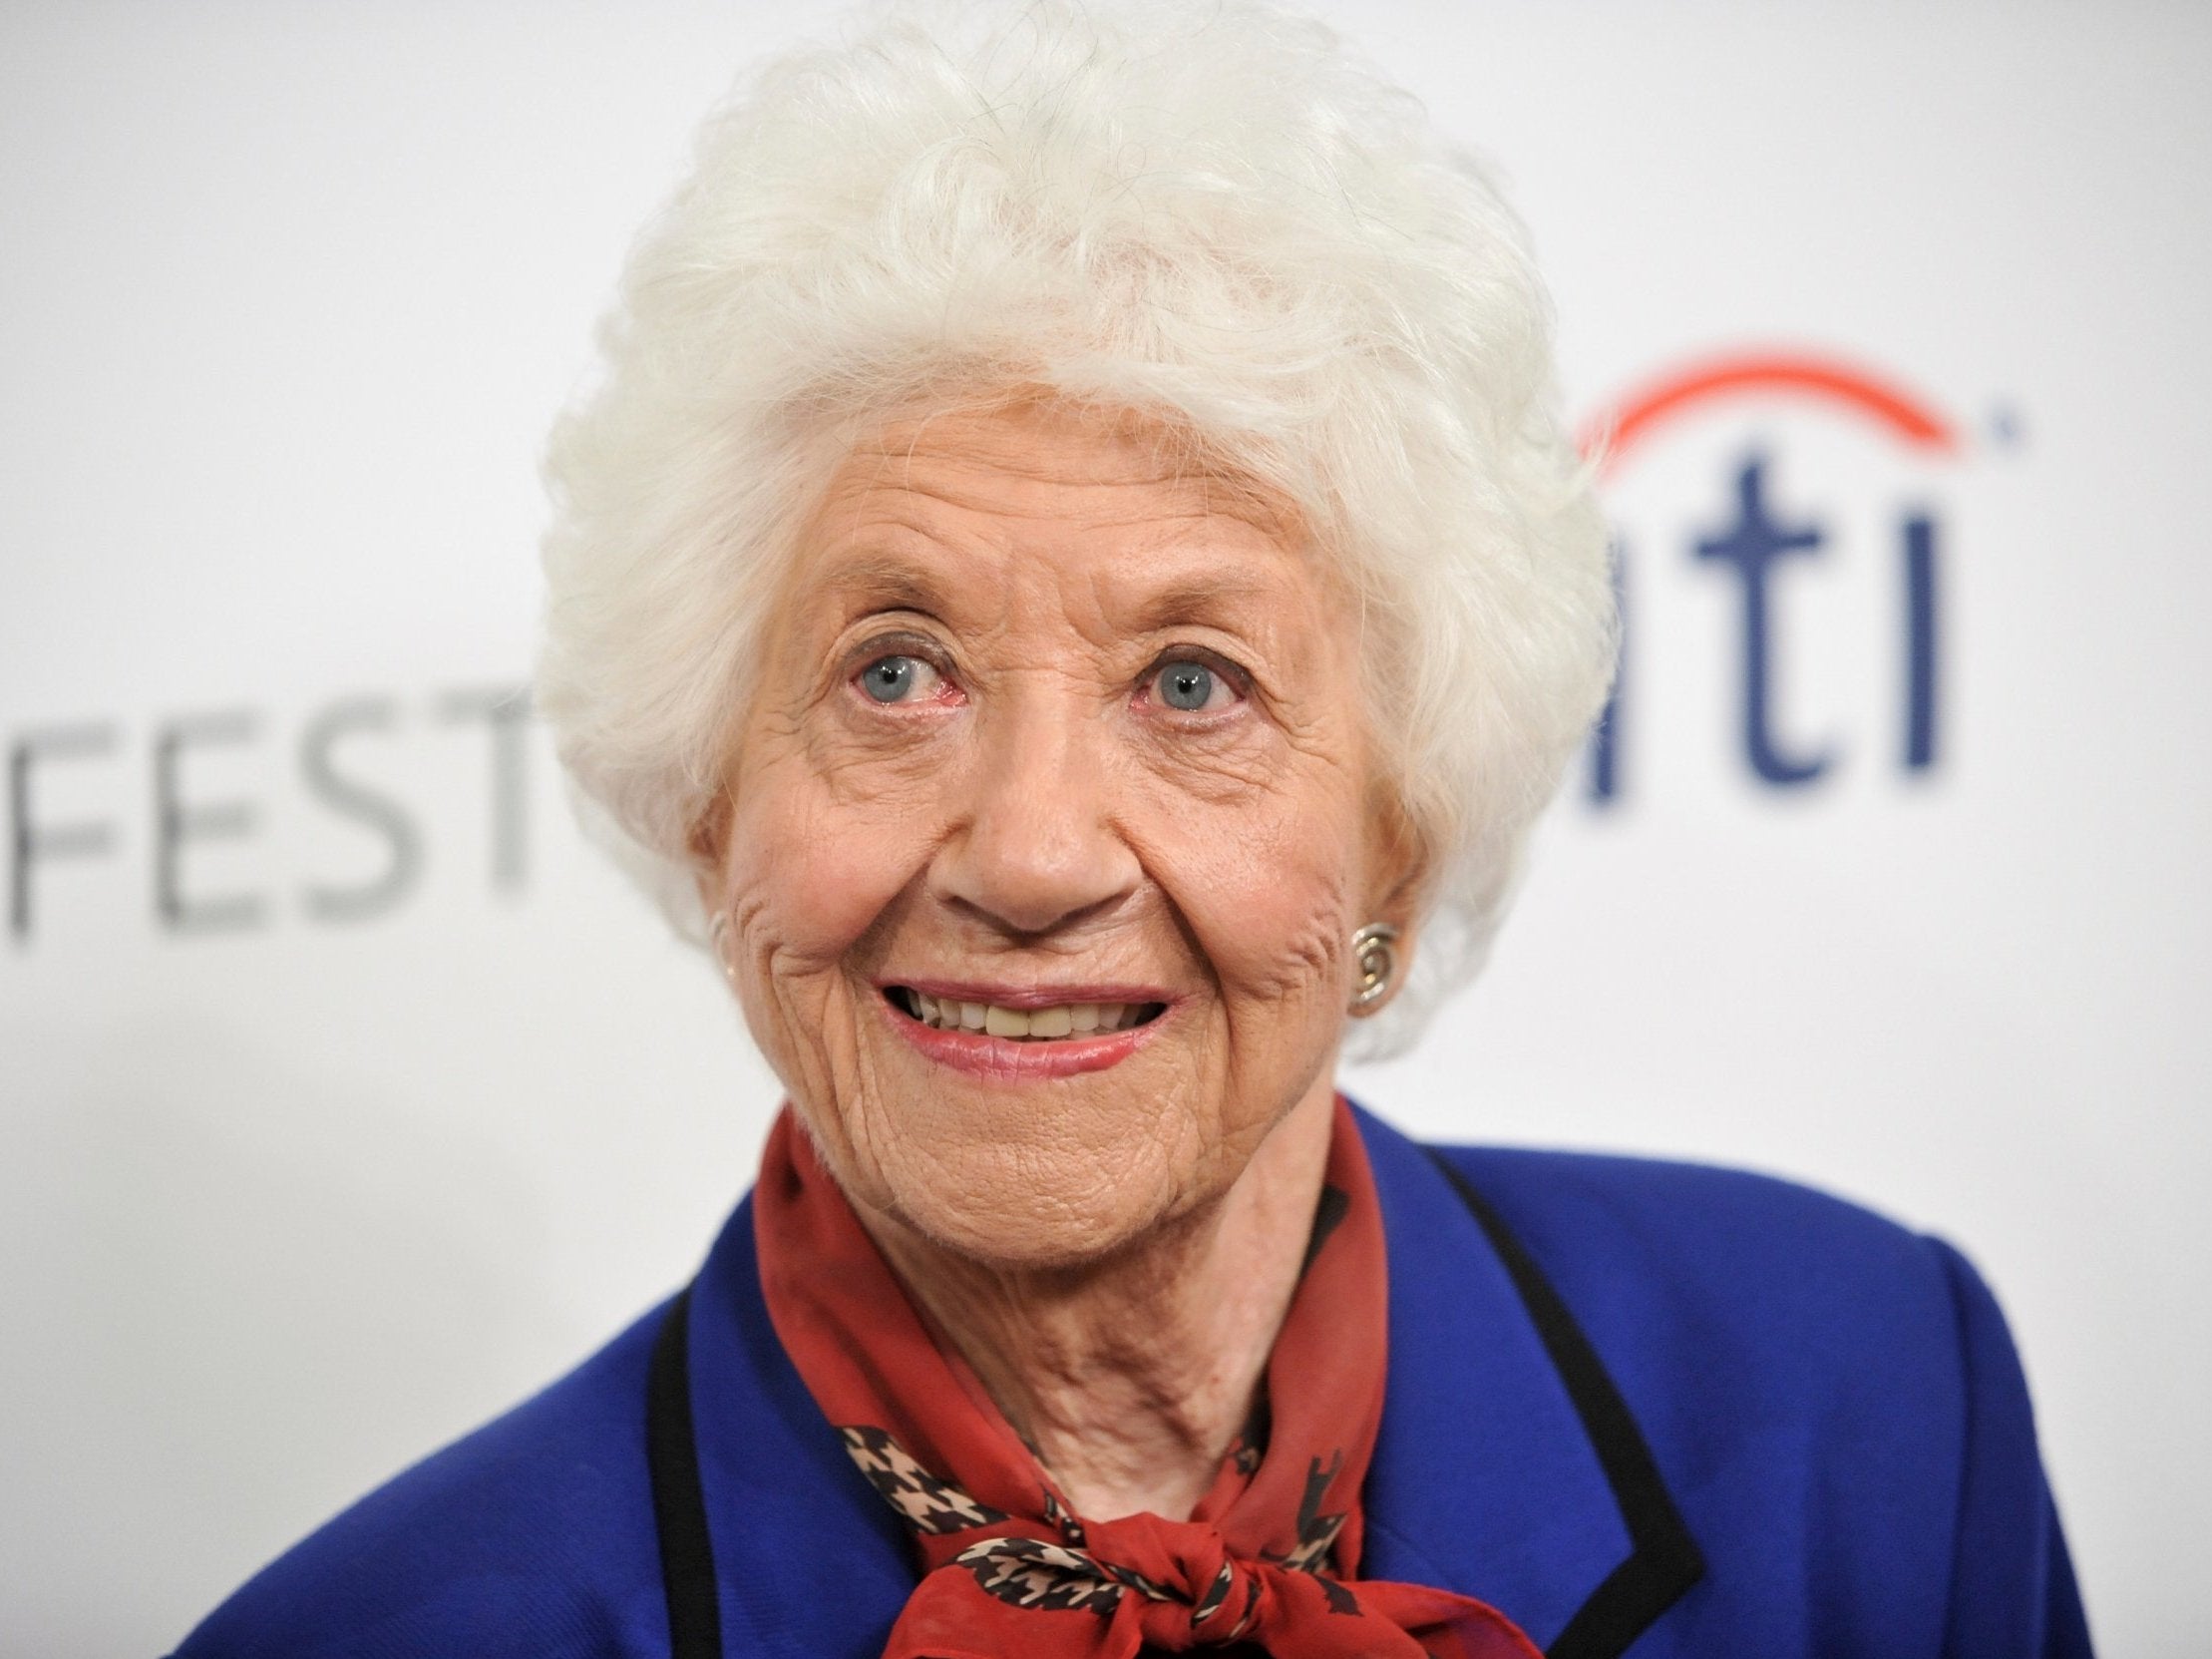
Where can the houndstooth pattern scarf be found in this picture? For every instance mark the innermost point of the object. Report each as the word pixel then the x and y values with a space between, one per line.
pixel 1267 1562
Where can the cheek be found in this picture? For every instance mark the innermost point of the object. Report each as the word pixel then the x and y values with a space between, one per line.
pixel 1271 882
pixel 1268 891
pixel 808 872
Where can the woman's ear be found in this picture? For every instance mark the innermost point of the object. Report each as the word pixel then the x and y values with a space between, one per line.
pixel 1398 863
pixel 1397 871
pixel 707 843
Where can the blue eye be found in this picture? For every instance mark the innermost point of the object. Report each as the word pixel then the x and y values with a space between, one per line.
pixel 1189 687
pixel 896 679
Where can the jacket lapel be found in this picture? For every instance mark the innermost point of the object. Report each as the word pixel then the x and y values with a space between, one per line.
pixel 1508 1467
pixel 808 1559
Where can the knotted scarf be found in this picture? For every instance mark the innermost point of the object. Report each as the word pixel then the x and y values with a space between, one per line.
pixel 1269 1558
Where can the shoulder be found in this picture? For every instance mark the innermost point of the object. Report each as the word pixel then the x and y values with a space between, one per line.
pixel 1748 1250
pixel 1834 1397
pixel 1705 1287
pixel 533 1536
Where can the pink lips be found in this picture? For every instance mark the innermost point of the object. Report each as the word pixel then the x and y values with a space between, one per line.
pixel 1011 1060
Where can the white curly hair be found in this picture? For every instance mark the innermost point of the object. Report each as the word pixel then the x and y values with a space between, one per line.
pixel 1218 216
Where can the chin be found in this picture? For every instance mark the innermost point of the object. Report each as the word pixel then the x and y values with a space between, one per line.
pixel 1038 1206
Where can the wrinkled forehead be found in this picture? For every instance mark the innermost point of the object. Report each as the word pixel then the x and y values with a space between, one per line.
pixel 1046 442
pixel 1121 514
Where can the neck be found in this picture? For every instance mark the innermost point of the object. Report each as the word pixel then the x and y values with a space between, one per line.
pixel 1131 1378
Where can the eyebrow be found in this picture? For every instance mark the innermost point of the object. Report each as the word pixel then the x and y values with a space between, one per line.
pixel 1202 599
pixel 885 582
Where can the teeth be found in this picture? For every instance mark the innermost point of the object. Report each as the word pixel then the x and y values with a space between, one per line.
pixel 1043 1024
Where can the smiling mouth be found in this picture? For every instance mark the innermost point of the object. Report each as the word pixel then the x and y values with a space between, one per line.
pixel 1061 1022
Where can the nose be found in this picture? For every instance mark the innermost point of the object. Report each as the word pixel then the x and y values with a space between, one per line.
pixel 1036 850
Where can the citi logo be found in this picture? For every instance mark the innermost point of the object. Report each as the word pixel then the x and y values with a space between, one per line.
pixel 1782 565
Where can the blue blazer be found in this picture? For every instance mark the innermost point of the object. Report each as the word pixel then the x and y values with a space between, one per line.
pixel 1641 1408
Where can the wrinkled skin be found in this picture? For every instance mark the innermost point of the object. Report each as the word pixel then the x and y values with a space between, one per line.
pixel 1033 812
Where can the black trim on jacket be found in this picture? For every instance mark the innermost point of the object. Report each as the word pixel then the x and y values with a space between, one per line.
pixel 1662 1562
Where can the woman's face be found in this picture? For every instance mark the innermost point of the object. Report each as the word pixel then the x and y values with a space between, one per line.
pixel 1047 827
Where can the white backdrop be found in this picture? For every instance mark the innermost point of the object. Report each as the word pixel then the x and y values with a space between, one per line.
pixel 344 1097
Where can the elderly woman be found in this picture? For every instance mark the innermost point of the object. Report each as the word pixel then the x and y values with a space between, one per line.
pixel 1072 587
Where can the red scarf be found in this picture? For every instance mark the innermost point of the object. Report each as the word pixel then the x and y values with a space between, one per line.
pixel 1267 1559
